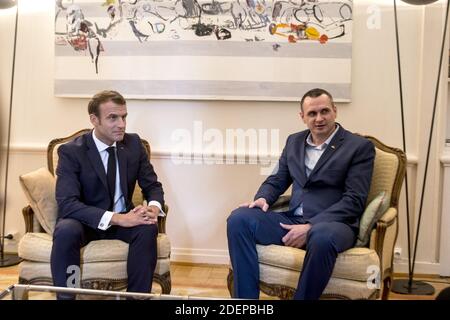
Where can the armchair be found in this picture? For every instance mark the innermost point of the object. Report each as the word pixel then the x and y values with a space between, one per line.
pixel 280 266
pixel 103 262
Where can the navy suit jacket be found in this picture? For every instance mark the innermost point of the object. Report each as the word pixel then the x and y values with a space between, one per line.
pixel 337 188
pixel 81 185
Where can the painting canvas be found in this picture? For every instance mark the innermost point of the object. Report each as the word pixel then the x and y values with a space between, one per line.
pixel 265 50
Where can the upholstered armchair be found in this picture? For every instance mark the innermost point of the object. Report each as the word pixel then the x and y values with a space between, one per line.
pixel 103 262
pixel 361 272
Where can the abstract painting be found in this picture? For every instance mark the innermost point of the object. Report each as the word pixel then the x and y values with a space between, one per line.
pixel 262 50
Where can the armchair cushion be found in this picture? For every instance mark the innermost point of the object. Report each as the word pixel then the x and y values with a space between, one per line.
pixel 39 188
pixel 37 247
pixel 374 211
pixel 351 264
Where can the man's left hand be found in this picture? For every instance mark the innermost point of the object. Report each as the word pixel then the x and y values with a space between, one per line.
pixel 296 237
pixel 149 212
pixel 153 211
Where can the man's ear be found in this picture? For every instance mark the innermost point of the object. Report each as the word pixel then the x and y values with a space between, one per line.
pixel 302 116
pixel 94 120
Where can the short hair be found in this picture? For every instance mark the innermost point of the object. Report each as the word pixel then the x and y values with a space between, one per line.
pixel 314 93
pixel 102 97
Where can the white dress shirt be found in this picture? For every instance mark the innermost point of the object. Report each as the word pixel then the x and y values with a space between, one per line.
pixel 312 155
pixel 119 200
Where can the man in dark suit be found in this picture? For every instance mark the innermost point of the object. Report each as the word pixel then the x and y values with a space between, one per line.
pixel 330 170
pixel 96 177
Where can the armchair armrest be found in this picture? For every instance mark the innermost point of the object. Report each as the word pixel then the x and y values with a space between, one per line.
pixel 162 220
pixel 383 239
pixel 389 216
pixel 28 215
pixel 282 204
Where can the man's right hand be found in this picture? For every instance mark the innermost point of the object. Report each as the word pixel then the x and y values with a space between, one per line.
pixel 133 218
pixel 259 203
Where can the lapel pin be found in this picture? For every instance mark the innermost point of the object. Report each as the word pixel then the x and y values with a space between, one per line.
pixel 333 147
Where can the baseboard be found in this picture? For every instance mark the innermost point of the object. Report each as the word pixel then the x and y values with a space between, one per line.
pixel 428 268
pixel 212 256
pixel 208 256
pixel 11 246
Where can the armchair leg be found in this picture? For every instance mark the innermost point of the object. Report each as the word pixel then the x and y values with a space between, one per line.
pixel 386 288
pixel 230 282
pixel 164 281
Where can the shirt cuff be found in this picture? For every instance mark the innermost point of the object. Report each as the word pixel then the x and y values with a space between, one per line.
pixel 105 220
pixel 157 204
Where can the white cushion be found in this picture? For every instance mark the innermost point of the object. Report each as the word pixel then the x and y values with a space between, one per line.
pixel 39 188
pixel 373 212
pixel 38 246
pixel 351 264
pixel 39 271
pixel 336 287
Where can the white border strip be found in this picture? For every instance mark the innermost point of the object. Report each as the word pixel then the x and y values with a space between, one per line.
pixel 211 256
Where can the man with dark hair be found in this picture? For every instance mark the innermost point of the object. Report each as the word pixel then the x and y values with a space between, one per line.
pixel 315 93
pixel 330 170
pixel 104 96
pixel 97 173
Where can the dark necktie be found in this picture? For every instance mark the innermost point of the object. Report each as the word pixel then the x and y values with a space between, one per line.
pixel 111 175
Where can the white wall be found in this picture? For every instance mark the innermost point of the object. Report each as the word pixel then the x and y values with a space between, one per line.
pixel 201 196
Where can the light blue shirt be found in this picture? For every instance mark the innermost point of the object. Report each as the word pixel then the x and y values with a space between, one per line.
pixel 312 155
pixel 119 200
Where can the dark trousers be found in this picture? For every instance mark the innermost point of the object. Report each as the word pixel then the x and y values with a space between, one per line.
pixel 248 227
pixel 71 235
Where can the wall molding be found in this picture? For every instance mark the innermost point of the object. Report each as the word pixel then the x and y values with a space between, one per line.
pixel 198 157
pixel 412 159
pixel 28 148
pixel 445 159
pixel 444 242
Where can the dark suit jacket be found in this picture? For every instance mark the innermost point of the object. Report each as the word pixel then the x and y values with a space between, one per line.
pixel 81 185
pixel 337 188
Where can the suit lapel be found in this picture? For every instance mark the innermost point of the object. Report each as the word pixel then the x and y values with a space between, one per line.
pixel 96 161
pixel 122 158
pixel 302 146
pixel 335 143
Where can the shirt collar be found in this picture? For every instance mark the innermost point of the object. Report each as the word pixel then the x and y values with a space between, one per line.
pixel 325 143
pixel 101 146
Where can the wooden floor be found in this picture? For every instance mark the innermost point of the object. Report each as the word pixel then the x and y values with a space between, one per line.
pixel 210 281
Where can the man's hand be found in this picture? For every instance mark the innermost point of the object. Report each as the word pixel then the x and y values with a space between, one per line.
pixel 296 237
pixel 150 213
pixel 260 203
pixel 137 216
pixel 154 211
